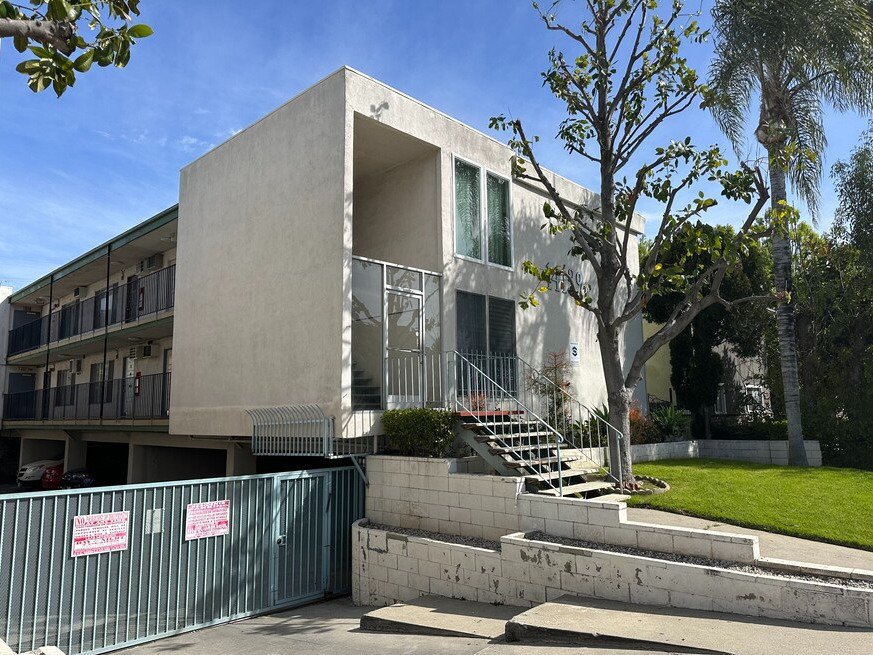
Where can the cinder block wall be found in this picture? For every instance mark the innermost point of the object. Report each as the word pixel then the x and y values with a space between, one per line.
pixel 389 568
pixel 442 495
pixel 761 452
pixel 433 495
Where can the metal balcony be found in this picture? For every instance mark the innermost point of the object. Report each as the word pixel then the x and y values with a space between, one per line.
pixel 126 303
pixel 129 399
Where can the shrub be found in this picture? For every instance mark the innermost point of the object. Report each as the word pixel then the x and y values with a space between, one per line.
pixel 420 432
pixel 642 430
pixel 670 422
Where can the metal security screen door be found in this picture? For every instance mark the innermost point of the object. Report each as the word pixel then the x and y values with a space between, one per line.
pixel 195 553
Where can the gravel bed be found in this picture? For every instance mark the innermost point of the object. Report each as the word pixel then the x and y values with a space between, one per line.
pixel 477 542
pixel 700 561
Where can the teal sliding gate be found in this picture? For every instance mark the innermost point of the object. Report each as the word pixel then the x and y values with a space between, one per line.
pixel 95 570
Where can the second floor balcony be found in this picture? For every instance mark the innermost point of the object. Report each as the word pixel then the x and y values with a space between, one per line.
pixel 121 304
pixel 113 401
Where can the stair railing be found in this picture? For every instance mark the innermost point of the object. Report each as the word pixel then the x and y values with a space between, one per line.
pixel 501 412
pixel 583 428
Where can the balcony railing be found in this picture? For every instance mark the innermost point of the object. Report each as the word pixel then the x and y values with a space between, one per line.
pixel 145 397
pixel 124 303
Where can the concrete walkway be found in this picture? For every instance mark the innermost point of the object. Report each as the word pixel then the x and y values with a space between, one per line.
pixel 331 628
pixel 775 546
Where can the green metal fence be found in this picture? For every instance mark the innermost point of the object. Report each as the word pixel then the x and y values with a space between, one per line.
pixel 197 553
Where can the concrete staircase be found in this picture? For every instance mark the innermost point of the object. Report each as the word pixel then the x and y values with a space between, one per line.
pixel 512 444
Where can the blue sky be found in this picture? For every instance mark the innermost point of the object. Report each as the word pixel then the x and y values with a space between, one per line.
pixel 80 169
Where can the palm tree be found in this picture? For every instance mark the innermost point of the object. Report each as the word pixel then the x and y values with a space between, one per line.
pixel 793 56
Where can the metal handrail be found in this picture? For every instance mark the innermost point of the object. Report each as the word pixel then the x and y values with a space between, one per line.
pixel 569 416
pixel 483 391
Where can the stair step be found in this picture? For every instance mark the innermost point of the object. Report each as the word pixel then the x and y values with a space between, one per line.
pixel 582 488
pixel 544 461
pixel 521 448
pixel 565 473
pixel 523 436
pixel 509 428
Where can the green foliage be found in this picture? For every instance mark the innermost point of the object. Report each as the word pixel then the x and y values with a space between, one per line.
pixel 670 422
pixel 642 430
pixel 420 432
pixel 696 369
pixel 69 37
pixel 825 504
pixel 794 56
pixel 834 299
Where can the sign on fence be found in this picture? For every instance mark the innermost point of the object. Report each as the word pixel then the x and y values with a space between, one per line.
pixel 99 533
pixel 207 519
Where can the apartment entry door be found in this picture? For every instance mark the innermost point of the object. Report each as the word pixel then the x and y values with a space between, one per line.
pixel 403 349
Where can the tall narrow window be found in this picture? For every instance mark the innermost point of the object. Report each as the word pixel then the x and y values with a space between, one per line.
pixel 499 236
pixel 501 326
pixel 472 334
pixel 468 209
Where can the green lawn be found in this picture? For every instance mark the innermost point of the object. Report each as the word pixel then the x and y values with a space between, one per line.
pixel 826 504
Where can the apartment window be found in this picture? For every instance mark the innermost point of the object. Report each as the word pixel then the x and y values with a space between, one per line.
pixel 478 195
pixel 468 210
pixel 499 236
pixel 486 336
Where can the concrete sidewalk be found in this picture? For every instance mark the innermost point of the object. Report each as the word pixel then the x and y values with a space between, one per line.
pixel 774 546
pixel 331 628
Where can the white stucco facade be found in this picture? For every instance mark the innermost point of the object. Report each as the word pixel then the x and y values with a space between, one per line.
pixel 269 223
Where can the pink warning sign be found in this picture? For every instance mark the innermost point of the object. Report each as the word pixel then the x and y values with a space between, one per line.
pixel 99 533
pixel 207 519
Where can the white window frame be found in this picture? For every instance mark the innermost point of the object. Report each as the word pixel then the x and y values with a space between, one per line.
pixel 484 232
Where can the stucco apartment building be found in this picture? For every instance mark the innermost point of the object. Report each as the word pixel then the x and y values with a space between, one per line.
pixel 318 264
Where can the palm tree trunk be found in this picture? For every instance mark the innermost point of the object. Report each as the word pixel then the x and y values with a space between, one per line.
pixel 785 321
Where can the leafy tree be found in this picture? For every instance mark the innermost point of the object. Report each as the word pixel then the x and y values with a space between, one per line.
pixel 624 80
pixel 696 368
pixel 69 36
pixel 794 56
pixel 834 293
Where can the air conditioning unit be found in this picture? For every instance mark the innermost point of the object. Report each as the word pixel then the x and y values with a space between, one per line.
pixel 76 365
pixel 78 291
pixel 152 263
pixel 144 352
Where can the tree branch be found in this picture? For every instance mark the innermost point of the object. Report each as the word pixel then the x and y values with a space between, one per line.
pixel 56 33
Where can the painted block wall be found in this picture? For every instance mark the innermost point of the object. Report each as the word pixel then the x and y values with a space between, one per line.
pixel 389 568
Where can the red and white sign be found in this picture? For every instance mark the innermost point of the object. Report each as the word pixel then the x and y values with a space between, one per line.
pixel 99 533
pixel 207 519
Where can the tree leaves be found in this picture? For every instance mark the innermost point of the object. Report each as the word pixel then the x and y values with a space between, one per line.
pixel 60 47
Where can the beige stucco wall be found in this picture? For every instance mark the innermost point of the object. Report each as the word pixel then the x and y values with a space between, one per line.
pixel 397 215
pixel 259 284
pixel 268 222
pixel 557 322
pixel 658 368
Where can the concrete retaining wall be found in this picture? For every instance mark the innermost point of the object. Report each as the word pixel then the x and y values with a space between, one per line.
pixel 741 450
pixel 761 452
pixel 389 568
pixel 427 494
pixel 651 452
pixel 442 495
